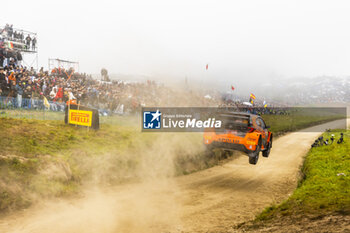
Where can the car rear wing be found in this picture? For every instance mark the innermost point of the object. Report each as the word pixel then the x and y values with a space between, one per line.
pixel 235 120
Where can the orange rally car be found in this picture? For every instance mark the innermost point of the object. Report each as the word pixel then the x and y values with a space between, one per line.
pixel 241 131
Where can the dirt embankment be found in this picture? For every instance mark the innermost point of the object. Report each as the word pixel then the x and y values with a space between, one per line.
pixel 212 200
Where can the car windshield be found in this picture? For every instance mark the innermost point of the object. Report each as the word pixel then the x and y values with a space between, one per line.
pixel 260 123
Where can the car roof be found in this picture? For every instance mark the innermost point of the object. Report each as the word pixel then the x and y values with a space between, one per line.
pixel 243 114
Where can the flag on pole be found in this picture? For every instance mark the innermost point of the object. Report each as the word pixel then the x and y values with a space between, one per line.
pixel 46 103
pixel 70 75
pixel 232 87
pixel 206 67
pixel 252 96
pixel 265 104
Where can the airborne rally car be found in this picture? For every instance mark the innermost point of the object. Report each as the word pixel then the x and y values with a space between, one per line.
pixel 243 132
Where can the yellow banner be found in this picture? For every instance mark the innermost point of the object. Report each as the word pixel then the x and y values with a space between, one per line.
pixel 80 117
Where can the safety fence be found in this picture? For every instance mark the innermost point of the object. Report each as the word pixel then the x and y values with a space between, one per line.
pixel 36 108
pixel 30 104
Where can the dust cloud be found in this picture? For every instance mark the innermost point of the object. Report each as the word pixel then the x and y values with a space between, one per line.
pixel 145 204
pixel 146 207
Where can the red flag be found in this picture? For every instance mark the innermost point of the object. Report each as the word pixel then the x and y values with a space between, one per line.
pixel 233 88
pixel 206 67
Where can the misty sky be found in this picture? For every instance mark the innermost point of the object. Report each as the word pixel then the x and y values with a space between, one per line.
pixel 178 38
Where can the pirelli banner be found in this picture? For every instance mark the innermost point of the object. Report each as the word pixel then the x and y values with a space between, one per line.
pixel 82 116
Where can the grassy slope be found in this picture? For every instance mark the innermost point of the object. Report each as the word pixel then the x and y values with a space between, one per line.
pixel 32 148
pixel 281 124
pixel 322 190
pixel 48 158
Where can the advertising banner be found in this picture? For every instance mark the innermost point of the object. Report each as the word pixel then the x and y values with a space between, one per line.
pixel 80 117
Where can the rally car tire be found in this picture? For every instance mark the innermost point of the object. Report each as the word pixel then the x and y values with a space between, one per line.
pixel 226 154
pixel 266 152
pixel 254 156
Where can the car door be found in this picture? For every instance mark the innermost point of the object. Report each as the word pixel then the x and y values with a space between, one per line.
pixel 263 130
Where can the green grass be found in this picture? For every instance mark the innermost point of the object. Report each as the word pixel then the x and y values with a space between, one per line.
pixel 32 137
pixel 32 148
pixel 46 158
pixel 323 189
pixel 300 119
pixel 31 114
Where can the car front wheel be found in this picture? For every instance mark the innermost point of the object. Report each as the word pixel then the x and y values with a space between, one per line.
pixel 266 152
pixel 254 156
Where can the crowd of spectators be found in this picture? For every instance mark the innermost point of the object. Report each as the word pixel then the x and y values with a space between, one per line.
pixel 25 88
pixel 21 87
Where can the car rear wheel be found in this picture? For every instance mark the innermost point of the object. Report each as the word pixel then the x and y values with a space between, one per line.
pixel 254 156
pixel 226 154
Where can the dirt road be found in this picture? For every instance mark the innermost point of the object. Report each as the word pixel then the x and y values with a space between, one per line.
pixel 212 200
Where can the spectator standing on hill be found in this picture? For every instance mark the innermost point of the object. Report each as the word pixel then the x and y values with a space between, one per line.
pixel 2 56
pixel 34 43
pixel 27 95
pixel 19 58
pixel 13 91
pixel 19 90
pixel 28 40
pixel 35 95
pixel 12 76
pixel 10 31
pixel 59 95
pixel 3 81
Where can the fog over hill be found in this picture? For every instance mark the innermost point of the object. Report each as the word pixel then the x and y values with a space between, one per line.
pixel 302 90
pixel 323 89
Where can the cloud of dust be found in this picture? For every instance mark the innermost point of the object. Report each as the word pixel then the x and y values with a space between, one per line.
pixel 129 190
pixel 150 204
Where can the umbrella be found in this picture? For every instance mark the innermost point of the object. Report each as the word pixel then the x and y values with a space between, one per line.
pixel 247 103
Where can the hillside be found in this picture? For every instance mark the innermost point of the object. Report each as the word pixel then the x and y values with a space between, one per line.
pixel 45 159
pixel 42 159
pixel 322 200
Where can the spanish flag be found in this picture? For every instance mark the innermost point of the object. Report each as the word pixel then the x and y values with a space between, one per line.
pixel 252 96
